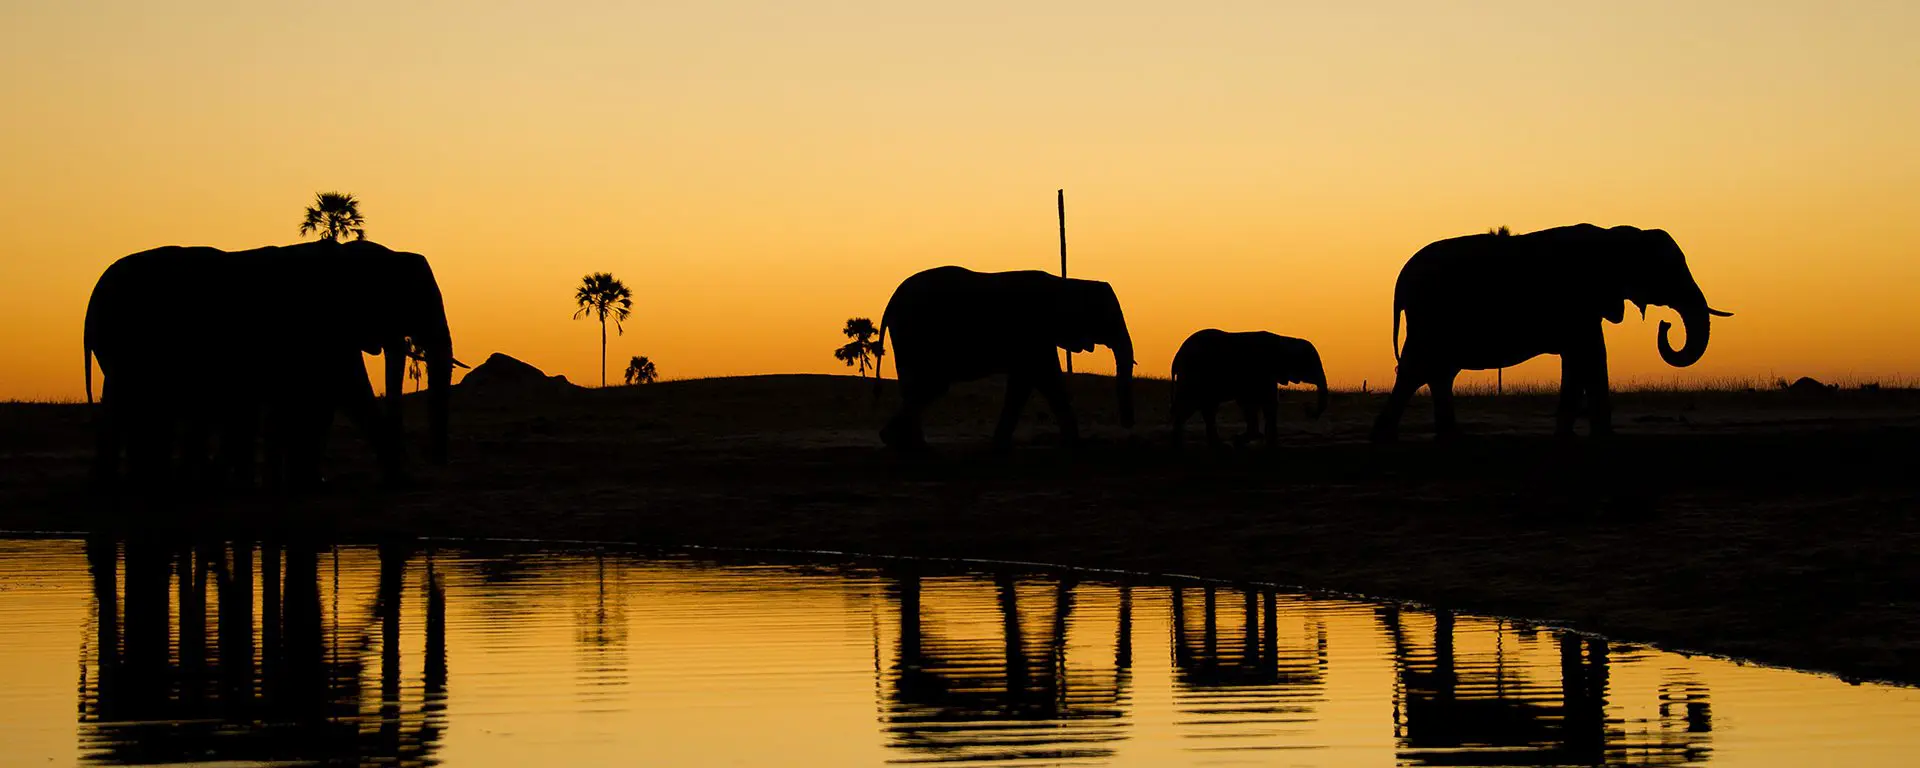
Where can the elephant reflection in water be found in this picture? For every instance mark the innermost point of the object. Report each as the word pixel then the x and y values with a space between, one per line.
pixel 1443 705
pixel 958 698
pixel 1203 661
pixel 161 699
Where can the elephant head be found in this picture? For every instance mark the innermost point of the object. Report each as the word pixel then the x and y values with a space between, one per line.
pixel 401 307
pixel 1316 374
pixel 1652 270
pixel 1091 316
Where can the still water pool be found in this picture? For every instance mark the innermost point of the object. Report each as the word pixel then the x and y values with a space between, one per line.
pixel 139 653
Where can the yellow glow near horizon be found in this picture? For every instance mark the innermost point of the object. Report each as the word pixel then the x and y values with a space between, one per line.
pixel 759 173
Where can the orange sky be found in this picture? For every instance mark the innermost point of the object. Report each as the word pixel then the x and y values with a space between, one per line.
pixel 759 173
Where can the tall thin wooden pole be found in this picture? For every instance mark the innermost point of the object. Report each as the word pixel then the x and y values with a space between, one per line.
pixel 1060 204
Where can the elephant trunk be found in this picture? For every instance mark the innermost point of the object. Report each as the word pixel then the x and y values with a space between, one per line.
pixel 1123 378
pixel 394 358
pixel 439 393
pixel 1695 316
pixel 1320 399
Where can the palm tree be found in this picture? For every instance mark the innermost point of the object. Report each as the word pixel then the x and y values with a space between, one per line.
pixel 640 370
pixel 862 348
pixel 415 356
pixel 601 295
pixel 333 215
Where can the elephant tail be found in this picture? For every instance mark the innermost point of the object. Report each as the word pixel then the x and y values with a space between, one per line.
pixel 880 358
pixel 87 359
pixel 1397 308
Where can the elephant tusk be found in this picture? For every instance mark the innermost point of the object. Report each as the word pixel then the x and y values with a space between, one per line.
pixel 458 364
pixel 1718 313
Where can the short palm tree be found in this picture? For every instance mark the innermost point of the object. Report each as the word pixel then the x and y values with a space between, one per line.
pixel 864 346
pixel 640 370
pixel 602 296
pixel 415 356
pixel 334 215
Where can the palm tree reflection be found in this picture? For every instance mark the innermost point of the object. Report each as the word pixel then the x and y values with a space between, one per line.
pixel 1018 698
pixel 294 695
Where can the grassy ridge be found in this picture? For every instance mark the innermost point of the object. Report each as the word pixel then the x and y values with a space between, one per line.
pixel 1768 524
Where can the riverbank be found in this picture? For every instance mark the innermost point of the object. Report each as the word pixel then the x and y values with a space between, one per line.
pixel 1765 525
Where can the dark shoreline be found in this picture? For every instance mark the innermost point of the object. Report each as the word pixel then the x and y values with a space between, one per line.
pixel 1749 525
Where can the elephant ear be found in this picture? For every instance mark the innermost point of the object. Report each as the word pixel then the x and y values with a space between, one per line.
pixel 1610 262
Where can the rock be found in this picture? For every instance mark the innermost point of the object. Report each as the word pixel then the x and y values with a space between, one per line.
pixel 504 373
pixel 1807 385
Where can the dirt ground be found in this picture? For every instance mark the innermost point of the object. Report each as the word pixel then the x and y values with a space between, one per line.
pixel 1768 525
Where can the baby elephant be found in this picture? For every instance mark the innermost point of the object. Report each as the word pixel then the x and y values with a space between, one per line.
pixel 1214 366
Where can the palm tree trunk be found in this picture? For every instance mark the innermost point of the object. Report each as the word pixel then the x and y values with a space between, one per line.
pixel 603 351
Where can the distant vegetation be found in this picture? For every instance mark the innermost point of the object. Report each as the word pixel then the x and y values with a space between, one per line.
pixel 864 350
pixel 601 296
pixel 640 370
pixel 334 215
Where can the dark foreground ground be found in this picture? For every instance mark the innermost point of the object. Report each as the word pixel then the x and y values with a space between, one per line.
pixel 1765 525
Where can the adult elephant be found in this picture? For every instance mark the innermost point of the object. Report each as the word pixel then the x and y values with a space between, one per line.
pixel 194 336
pixel 1214 366
pixel 1496 300
pixel 953 324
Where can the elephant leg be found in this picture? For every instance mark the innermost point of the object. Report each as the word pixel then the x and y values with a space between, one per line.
pixel 1182 410
pixel 1018 387
pixel 1272 407
pixel 1250 415
pixel 1386 426
pixel 355 395
pixel 109 427
pixel 238 435
pixel 1594 381
pixel 196 449
pixel 1571 381
pixel 1054 388
pixel 903 432
pixel 1207 413
pixel 1441 386
pixel 149 434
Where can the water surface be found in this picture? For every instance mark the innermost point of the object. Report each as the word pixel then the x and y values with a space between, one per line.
pixel 141 653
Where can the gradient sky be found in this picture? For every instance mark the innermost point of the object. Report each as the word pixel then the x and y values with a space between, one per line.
pixel 758 171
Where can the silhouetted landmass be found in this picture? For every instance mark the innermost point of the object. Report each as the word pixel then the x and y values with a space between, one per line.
pixel 1756 523
pixel 1807 385
pixel 503 374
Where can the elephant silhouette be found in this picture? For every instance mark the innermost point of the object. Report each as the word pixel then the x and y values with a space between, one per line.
pixel 952 324
pixel 179 332
pixel 1493 301
pixel 1214 366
